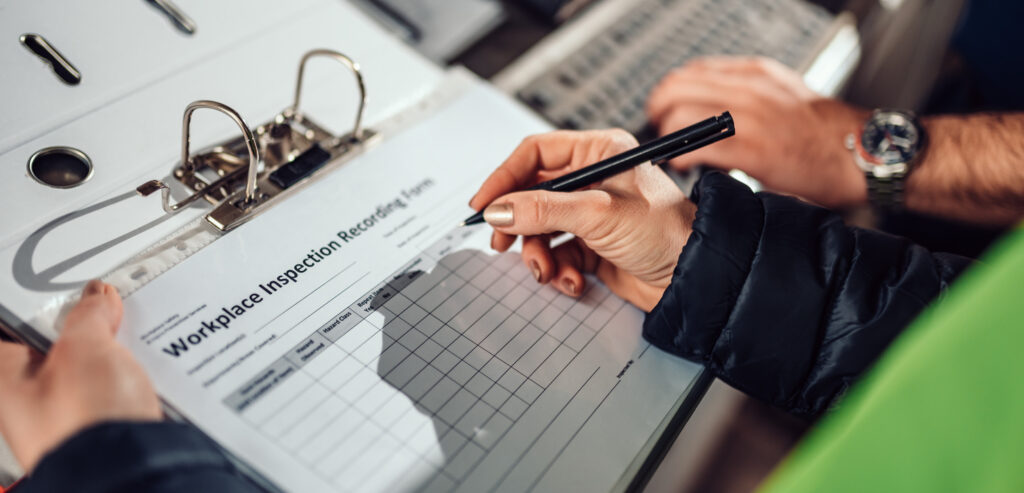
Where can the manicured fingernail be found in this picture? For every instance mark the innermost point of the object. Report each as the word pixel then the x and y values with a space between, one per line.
pixel 499 215
pixel 494 237
pixel 93 287
pixel 471 199
pixel 535 268
pixel 570 287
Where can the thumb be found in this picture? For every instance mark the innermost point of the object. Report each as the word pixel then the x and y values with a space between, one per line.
pixel 97 314
pixel 15 362
pixel 537 212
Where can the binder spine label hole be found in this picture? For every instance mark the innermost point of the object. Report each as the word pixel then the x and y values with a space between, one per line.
pixel 60 167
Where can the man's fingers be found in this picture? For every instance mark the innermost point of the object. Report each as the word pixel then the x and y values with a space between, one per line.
pixel 742 151
pixel 723 83
pixel 735 64
pixel 722 154
pixel 722 92
pixel 539 212
pixel 705 80
pixel 676 89
pixel 687 114
pixel 664 96
pixel 97 314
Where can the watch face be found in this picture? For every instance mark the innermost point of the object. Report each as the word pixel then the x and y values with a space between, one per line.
pixel 890 138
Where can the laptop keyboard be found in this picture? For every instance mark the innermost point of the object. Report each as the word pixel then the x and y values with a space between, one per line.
pixel 606 83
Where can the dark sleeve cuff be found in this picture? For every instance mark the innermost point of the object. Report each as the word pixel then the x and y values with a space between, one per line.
pixel 123 456
pixel 715 262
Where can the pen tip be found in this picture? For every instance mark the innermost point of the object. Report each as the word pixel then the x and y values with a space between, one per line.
pixel 462 224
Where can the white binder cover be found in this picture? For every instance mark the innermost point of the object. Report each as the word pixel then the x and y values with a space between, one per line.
pixel 132 130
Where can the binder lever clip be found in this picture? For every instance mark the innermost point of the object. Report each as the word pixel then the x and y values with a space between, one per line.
pixel 246 175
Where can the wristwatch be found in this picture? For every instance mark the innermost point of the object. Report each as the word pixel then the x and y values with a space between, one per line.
pixel 889 144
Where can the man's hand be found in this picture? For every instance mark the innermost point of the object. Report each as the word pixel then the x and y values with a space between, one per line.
pixel 630 228
pixel 87 378
pixel 787 137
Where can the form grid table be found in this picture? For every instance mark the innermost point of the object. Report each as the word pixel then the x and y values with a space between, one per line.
pixel 473 343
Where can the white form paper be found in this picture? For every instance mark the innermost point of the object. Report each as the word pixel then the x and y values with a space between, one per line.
pixel 350 340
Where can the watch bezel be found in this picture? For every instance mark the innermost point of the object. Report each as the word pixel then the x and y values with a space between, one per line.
pixel 869 162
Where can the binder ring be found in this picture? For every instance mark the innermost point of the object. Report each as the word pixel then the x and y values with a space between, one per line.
pixel 187 164
pixel 357 129
pixel 250 141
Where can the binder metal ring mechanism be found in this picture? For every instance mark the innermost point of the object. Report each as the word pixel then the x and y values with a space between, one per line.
pixel 246 175
pixel 279 142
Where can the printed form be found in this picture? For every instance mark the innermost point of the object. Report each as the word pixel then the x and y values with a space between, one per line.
pixel 350 339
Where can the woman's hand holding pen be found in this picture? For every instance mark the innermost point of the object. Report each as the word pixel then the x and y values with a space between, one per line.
pixel 87 378
pixel 629 229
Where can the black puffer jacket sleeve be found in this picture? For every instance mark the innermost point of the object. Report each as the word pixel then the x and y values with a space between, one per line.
pixel 136 457
pixel 785 302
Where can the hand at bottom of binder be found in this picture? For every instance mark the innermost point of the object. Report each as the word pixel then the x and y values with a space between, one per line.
pixel 87 378
pixel 629 229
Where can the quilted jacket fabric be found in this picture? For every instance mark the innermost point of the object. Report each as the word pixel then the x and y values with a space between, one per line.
pixel 785 302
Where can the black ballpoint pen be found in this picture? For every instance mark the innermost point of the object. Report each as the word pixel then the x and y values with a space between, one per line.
pixel 656 151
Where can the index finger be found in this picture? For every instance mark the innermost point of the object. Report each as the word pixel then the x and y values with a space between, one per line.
pixel 519 170
pixel 557 152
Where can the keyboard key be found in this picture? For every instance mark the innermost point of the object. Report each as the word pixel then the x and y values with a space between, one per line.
pixel 537 99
